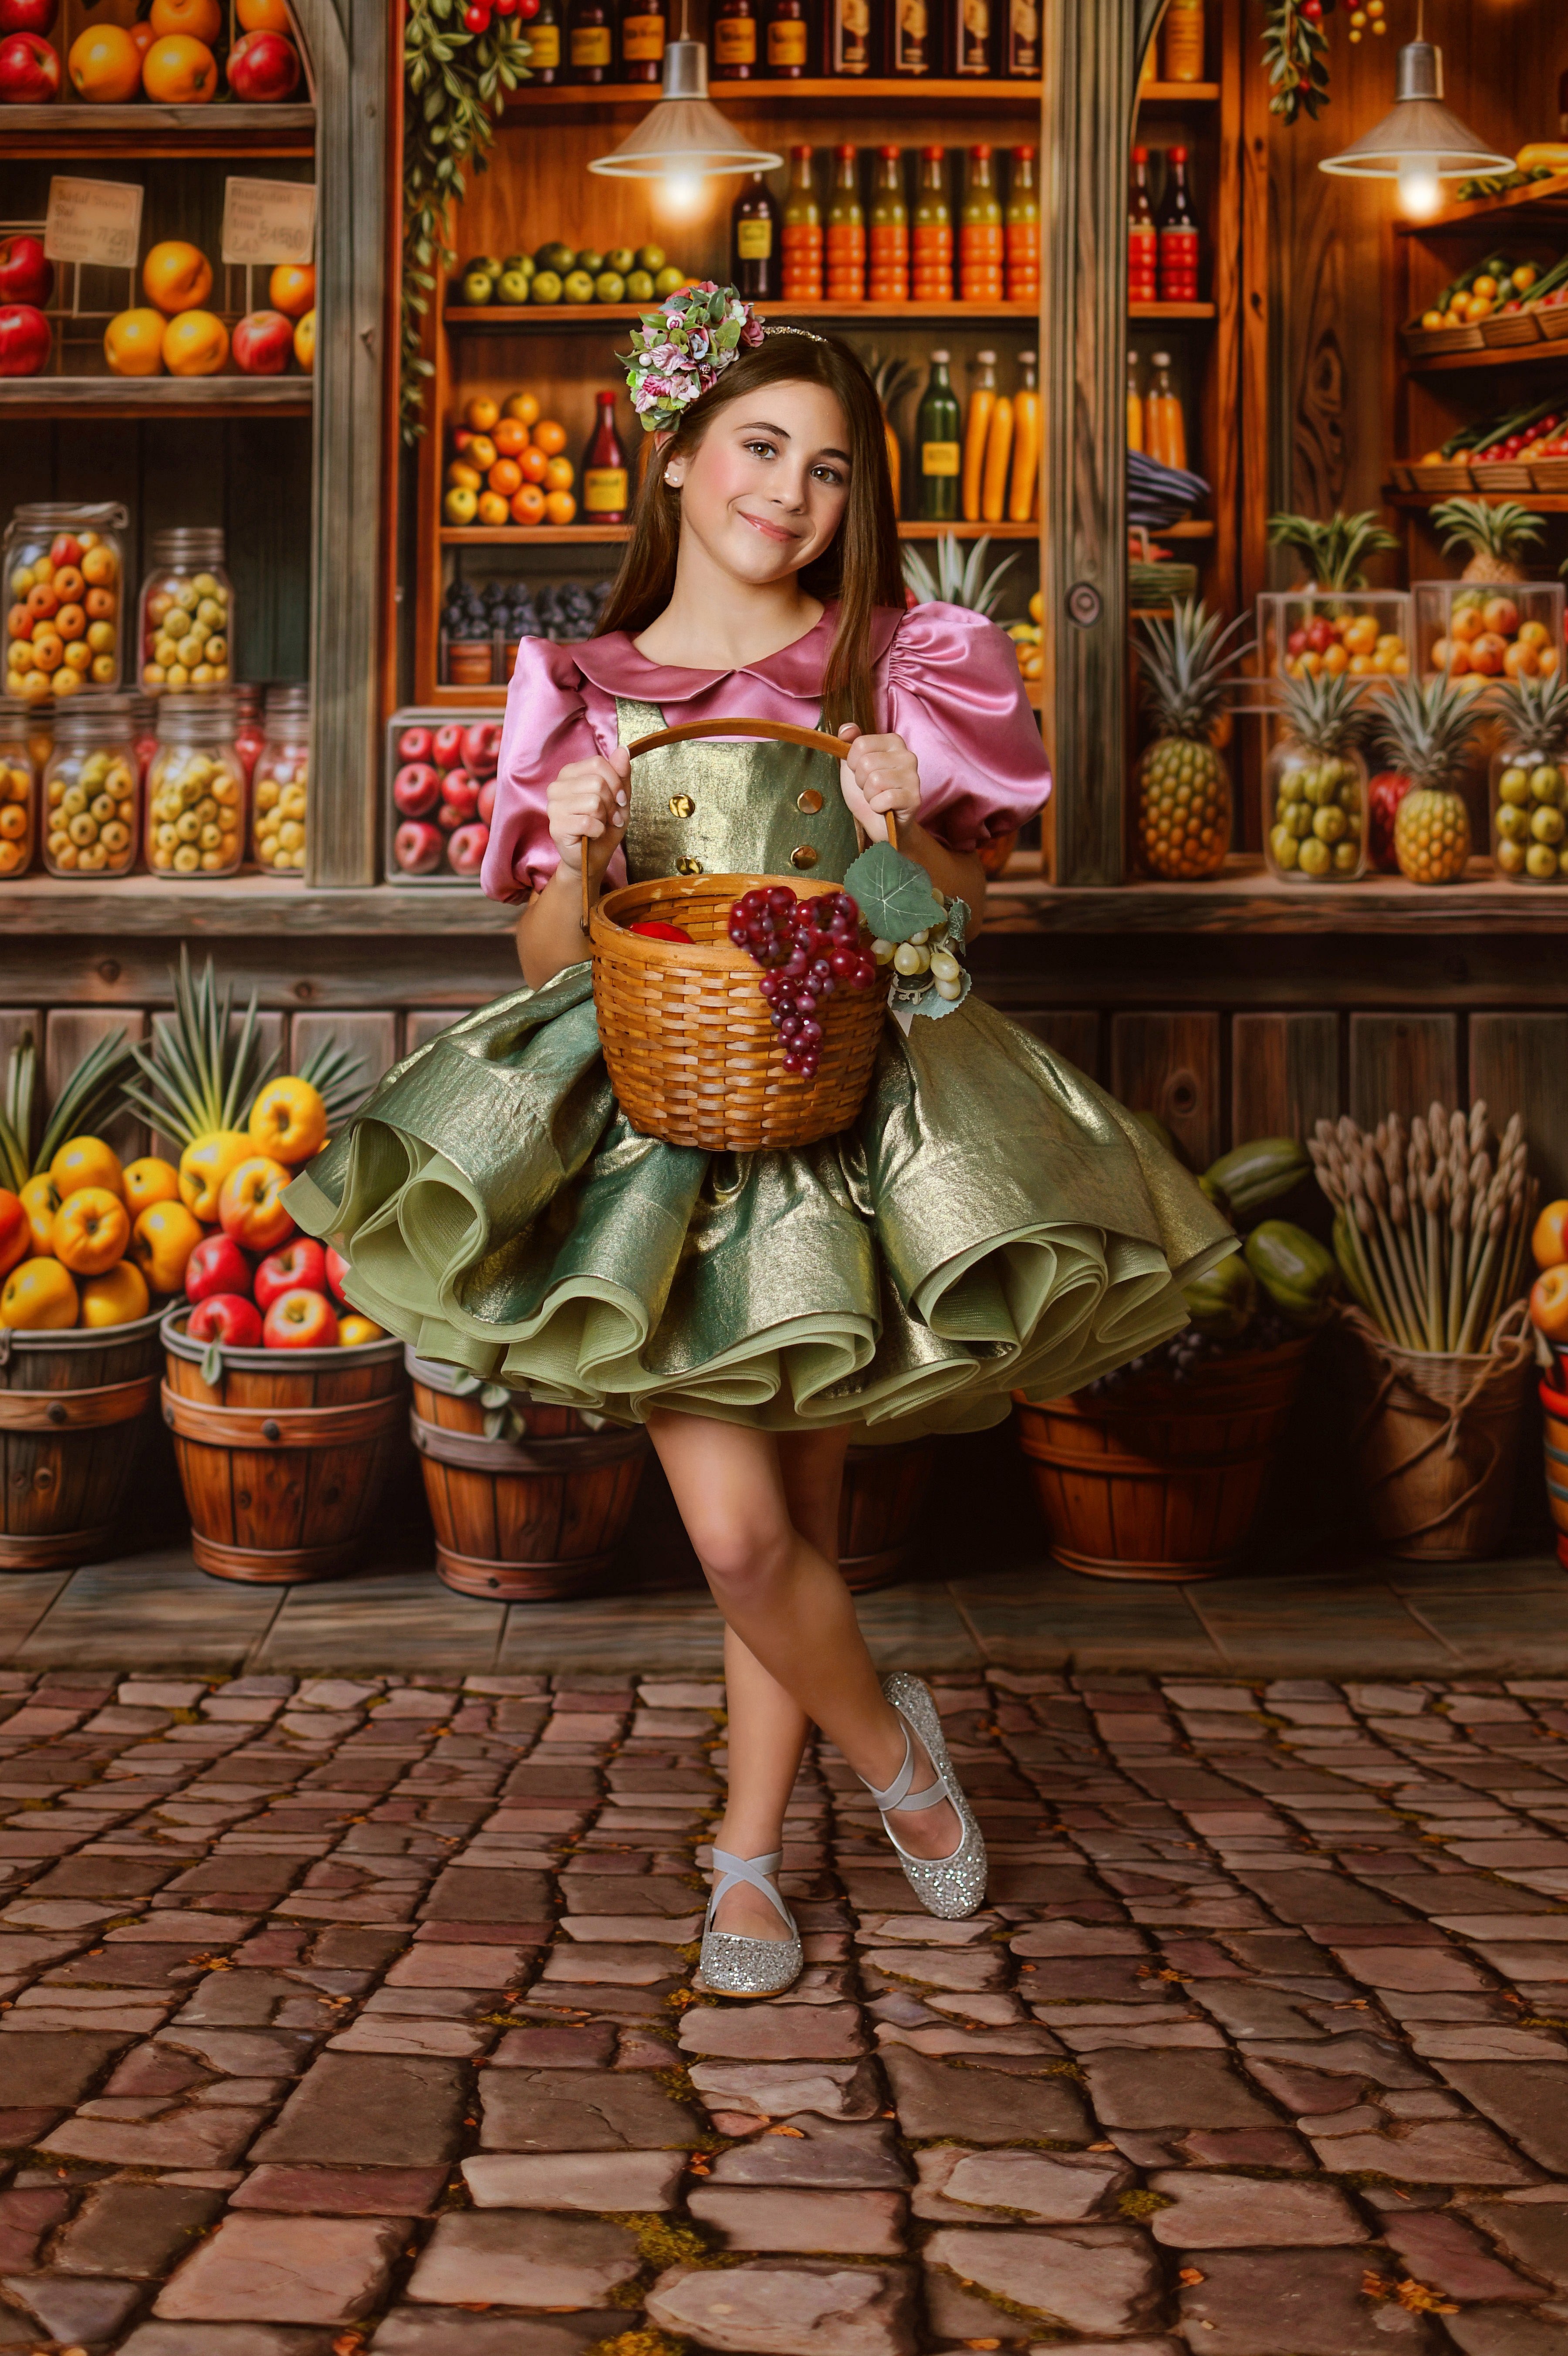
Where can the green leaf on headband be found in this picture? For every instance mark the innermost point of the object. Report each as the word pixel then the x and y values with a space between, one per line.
pixel 894 895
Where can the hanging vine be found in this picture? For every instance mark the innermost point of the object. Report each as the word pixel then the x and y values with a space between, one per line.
pixel 1294 51
pixel 459 62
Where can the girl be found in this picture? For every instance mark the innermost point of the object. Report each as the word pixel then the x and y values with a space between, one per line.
pixel 990 1221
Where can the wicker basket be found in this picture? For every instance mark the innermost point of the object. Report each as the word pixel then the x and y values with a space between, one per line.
pixel 688 1042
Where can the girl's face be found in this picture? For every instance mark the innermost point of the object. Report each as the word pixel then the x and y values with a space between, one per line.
pixel 765 489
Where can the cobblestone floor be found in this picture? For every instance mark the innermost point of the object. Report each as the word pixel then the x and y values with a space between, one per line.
pixel 357 2015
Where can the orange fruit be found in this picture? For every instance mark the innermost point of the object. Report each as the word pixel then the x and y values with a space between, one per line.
pixel 178 72
pixel 292 289
pixel 141 32
pixel 550 437
pixel 510 437
pixel 560 506
pixel 559 474
pixel 533 463
pixel 505 477
pixel 481 413
pixel 264 17
pixel 194 344
pixel 528 505
pixel 199 20
pixel 91 1231
pixel 523 406
pixel 105 66
pixel 305 342
pixel 177 276
pixel 491 508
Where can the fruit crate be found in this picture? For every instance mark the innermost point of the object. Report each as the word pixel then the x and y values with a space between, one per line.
pixel 1371 627
pixel 453 740
pixel 1486 630
pixel 85 296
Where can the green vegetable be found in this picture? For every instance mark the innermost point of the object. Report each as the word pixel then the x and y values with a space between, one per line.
pixel 1259 1173
pixel 894 895
pixel 1295 1270
pixel 1223 1302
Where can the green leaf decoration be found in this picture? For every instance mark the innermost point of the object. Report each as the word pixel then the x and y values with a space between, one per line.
pixel 895 896
pixel 958 914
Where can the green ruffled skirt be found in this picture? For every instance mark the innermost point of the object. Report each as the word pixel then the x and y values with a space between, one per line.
pixel 992 1221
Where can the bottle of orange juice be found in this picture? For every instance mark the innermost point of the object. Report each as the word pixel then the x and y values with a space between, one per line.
pixel 1165 423
pixel 1135 406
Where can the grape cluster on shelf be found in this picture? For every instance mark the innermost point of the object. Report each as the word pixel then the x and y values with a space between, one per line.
pixel 1186 1354
pixel 807 949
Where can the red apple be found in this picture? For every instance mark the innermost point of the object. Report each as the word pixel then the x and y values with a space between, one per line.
pixel 417 847
pixel 29 76
pixel 416 789
pixel 446 745
pixel 25 340
pixel 263 68
pixel 466 852
pixel 217 1265
pixel 263 343
pixel 482 747
pixel 229 1318
pixel 251 1206
pixel 336 1269
pixel 300 1320
pixel 487 800
pixel 414 744
pixel 459 799
pixel 65 549
pixel 303 1262
pixel 27 275
pixel 28 15
pixel 16 1231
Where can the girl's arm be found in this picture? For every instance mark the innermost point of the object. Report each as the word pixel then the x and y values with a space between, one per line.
pixel 882 774
pixel 586 804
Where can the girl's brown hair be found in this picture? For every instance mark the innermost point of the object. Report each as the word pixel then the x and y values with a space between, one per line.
pixel 860 568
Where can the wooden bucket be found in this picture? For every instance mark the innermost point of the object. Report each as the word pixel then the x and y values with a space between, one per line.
pixel 880 1510
pixel 1161 1480
pixel 1436 1439
pixel 1556 1403
pixel 525 1517
pixel 74 1410
pixel 282 1459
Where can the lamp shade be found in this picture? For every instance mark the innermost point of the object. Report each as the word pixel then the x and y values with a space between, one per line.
pixel 1418 132
pixel 683 137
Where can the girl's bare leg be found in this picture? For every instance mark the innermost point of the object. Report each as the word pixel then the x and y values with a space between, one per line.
pixel 792 1635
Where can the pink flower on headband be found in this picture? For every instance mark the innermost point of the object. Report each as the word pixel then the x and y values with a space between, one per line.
pixel 679 351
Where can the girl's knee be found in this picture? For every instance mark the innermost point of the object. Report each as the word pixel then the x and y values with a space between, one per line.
pixel 741 1560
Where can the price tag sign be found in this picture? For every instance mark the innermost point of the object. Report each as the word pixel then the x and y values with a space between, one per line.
pixel 94 221
pixel 268 220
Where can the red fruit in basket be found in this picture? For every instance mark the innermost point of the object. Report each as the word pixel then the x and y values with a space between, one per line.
pixel 27 274
pixel 16 1231
pixel 1296 643
pixel 459 799
pixel 1319 636
pixel 250 1204
pixel 229 1318
pixel 652 930
pixel 217 1266
pixel 300 1320
pixel 446 745
pixel 336 1269
pixel 29 75
pixel 466 852
pixel 301 1263
pixel 23 339
pixel 487 800
pixel 414 744
pixel 416 789
pixel 482 747
pixel 263 343
pixel 418 848
pixel 263 69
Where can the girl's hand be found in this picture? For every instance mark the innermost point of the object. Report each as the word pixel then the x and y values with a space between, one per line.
pixel 881 776
pixel 586 805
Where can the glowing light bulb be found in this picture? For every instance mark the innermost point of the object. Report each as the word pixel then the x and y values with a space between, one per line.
pixel 1419 194
pixel 680 192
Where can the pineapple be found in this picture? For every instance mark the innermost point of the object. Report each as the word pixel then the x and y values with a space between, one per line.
pixel 1332 553
pixel 1183 811
pixel 89 1099
pixel 1317 780
pixel 1497 537
pixel 205 1067
pixel 1428 726
pixel 957 582
pixel 1530 822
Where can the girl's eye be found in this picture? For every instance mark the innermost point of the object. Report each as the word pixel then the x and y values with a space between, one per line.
pixel 761 449
pixel 829 475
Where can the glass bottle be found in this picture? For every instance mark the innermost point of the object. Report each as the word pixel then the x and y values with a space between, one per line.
pixel 64 568
pixel 911 48
pixel 732 34
pixel 250 732
pixel 280 790
pixel 1022 61
pixel 788 39
pixel 604 474
pixel 643 31
pixel 196 791
pixel 544 44
pixel 976 427
pixel 18 789
pixel 1182 42
pixel 1178 234
pixel 184 617
pixel 1022 238
pixel 1023 492
pixel 848 43
pixel 936 433
pixel 802 240
pixel 754 245
pixel 590 41
pixel 931 237
pixel 89 788
pixel 980 239
pixel 1165 421
pixel 1143 238
pixel 1135 406
pixel 969 37
pixel 889 278
pixel 846 232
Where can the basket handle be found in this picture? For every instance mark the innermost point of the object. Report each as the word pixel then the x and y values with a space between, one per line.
pixel 775 732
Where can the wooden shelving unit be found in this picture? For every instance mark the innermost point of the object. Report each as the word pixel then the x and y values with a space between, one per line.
pixel 569 535
pixel 586 319
pixel 160 131
pixel 1504 356
pixel 156 396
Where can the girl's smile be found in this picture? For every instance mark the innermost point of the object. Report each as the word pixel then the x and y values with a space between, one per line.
pixel 764 491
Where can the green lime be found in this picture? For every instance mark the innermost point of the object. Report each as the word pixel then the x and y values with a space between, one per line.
pixel 513 286
pixel 621 258
pixel 590 259
pixel 556 257
pixel 545 287
pixel 669 280
pixel 650 258
pixel 639 286
pixel 478 288
pixel 577 287
pixel 609 287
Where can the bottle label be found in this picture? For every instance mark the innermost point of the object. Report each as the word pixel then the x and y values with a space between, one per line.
pixel 642 39
pixel 544 45
pixel 735 41
pixel 754 240
pixel 940 459
pixel 786 42
pixel 1184 42
pixel 1023 35
pixel 974 36
pixel 591 45
pixel 912 32
pixel 604 490
pixel 852 37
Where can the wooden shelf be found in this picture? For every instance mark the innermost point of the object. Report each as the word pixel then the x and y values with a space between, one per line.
pixel 1172 311
pixel 1552 194
pixel 844 90
pixel 584 318
pixel 1503 356
pixel 1178 94
pixel 99 130
pixel 1538 502
pixel 569 535
pixel 157 396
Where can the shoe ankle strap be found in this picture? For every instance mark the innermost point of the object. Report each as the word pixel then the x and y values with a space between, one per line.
pixel 755 1871
pixel 898 1795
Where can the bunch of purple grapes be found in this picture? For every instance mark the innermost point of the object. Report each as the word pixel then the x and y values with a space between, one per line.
pixel 807 949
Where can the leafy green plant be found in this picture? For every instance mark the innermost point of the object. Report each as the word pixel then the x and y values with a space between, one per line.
pixel 1295 49
pixel 957 581
pixel 90 1097
pixel 456 84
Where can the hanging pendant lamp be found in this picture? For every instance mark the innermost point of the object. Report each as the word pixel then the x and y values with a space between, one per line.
pixel 1418 142
pixel 684 138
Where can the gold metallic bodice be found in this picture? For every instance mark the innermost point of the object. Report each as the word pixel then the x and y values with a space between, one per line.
pixel 713 809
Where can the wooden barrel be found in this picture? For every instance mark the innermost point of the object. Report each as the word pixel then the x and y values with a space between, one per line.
pixel 74 1413
pixel 521 1516
pixel 281 1460
pixel 880 1510
pixel 1160 1480
pixel 1556 1403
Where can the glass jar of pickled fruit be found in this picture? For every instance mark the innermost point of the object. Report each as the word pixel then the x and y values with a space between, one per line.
pixel 19 789
pixel 185 622
pixel 64 568
pixel 195 788
pixel 283 775
pixel 90 788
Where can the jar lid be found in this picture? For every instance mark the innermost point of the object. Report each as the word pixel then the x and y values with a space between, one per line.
pixel 104 717
pixel 189 543
pixel 55 514
pixel 290 700
pixel 196 716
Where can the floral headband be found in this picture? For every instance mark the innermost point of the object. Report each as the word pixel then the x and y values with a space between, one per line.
pixel 684 347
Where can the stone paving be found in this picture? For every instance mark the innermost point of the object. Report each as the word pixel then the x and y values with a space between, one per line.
pixel 357 2015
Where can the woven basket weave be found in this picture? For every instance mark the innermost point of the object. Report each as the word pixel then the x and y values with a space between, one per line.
pixel 688 1042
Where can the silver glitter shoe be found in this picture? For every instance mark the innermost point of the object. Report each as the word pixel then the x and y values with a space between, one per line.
pixel 952 1886
pixel 733 1965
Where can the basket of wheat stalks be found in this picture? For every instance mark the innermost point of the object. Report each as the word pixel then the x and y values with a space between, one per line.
pixel 1432 1227
pixel 689 1043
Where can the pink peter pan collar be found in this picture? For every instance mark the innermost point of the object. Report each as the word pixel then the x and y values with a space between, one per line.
pixel 613 664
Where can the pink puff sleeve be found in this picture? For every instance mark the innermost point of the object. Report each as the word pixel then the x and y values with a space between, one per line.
pixel 950 688
pixel 546 725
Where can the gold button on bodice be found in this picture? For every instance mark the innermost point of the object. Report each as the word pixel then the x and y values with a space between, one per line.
pixel 681 806
pixel 690 866
pixel 802 856
pixel 810 801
